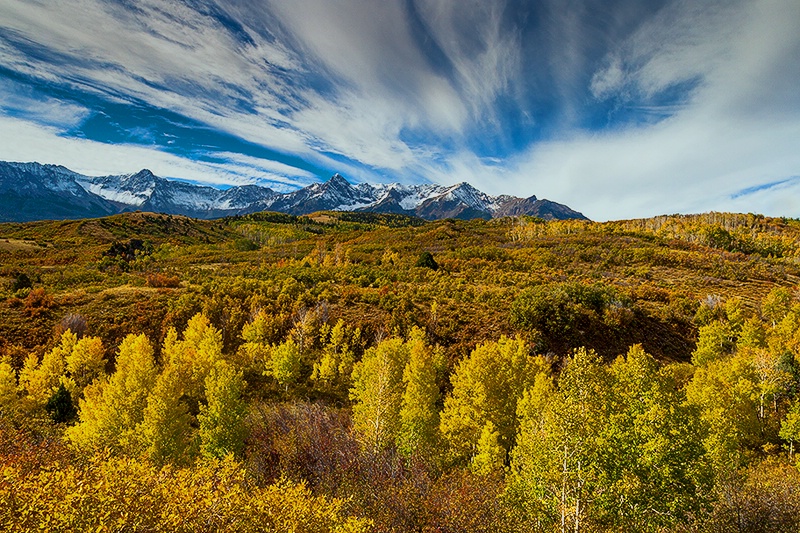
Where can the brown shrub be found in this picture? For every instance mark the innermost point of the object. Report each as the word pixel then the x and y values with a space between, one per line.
pixel 37 302
pixel 159 280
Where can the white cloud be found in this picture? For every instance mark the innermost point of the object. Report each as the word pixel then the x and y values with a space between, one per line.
pixel 27 141
pixel 348 85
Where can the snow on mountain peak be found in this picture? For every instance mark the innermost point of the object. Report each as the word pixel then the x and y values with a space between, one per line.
pixel 146 191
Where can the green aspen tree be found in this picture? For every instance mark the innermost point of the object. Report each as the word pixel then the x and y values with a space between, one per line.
pixel 285 363
pixel 726 394
pixel 653 463
pixel 790 427
pixel 714 342
pixel 555 463
pixel 112 409
pixel 222 418
pixel 776 305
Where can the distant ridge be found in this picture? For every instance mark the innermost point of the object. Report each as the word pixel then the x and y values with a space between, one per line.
pixel 33 191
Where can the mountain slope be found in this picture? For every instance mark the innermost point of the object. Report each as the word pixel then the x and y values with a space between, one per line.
pixel 31 191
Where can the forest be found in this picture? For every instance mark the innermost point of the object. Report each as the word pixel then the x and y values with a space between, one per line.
pixel 359 372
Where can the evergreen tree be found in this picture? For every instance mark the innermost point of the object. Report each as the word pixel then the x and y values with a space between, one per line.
pixel 426 260
pixel 59 406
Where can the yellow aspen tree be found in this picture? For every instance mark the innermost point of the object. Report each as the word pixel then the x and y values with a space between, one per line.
pixel 419 416
pixel 490 456
pixel 85 363
pixel 195 355
pixel 486 387
pixel 335 367
pixel 41 381
pixel 222 418
pixel 166 427
pixel 112 409
pixel 378 394
pixel 9 401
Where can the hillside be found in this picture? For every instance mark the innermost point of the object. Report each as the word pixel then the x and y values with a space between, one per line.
pixel 361 266
pixel 662 350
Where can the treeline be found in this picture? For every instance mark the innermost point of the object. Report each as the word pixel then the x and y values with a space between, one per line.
pixel 193 436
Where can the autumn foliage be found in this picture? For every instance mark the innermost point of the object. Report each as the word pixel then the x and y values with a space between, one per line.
pixel 349 372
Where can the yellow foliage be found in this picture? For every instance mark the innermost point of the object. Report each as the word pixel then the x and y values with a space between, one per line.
pixel 9 402
pixel 195 355
pixel 86 362
pixel 112 409
pixel 125 494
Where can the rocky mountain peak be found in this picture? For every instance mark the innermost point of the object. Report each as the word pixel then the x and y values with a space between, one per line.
pixel 146 191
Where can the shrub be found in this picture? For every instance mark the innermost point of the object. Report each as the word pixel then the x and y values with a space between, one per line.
pixel 37 302
pixel 158 280
pixel 426 260
pixel 21 281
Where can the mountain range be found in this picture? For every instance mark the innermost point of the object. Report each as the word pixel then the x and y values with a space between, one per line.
pixel 33 191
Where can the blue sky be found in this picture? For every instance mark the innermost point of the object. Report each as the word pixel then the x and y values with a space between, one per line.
pixel 618 108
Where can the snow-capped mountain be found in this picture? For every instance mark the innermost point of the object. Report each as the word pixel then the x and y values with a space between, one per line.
pixel 31 191
pixel 147 192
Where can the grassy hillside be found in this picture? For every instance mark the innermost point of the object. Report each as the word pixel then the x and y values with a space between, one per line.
pixel 653 274
pixel 366 372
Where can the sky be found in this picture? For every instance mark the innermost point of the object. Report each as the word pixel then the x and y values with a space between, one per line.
pixel 618 108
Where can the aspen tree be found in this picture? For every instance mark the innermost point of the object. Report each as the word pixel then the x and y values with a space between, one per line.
pixel 112 409
pixel 419 417
pixel 166 426
pixel 221 419
pixel 285 363
pixel 85 363
pixel 9 401
pixel 555 464
pixel 486 387
pixel 378 394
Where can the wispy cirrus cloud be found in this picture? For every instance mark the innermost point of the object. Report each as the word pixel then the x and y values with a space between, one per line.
pixel 619 108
